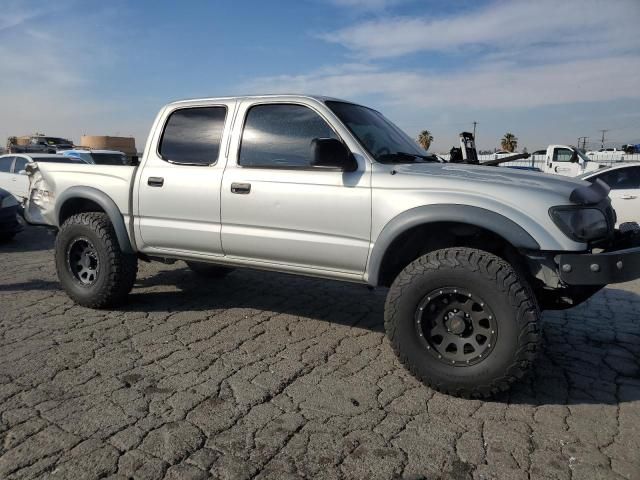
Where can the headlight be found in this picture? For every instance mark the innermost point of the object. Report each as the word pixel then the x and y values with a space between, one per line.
pixel 580 224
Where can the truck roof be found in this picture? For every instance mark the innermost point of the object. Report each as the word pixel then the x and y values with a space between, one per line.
pixel 271 96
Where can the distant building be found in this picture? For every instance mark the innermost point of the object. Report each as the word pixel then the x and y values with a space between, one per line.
pixel 127 145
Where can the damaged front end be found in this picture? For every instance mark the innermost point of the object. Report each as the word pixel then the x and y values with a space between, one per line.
pixel 565 279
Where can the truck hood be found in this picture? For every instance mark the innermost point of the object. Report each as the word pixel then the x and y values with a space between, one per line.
pixel 472 177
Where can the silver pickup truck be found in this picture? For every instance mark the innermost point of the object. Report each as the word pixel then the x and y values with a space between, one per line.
pixel 327 188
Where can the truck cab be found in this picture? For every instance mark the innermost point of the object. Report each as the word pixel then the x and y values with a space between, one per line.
pixel 568 161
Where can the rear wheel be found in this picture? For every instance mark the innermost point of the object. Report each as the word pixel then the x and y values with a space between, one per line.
pixel 463 322
pixel 209 270
pixel 93 270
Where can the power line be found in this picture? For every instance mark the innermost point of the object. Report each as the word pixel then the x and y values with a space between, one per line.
pixel 584 142
pixel 602 141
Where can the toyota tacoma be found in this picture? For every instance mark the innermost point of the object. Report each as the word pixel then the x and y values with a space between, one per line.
pixel 327 188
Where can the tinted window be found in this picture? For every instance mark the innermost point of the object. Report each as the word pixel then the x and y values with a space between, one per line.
pixel 109 159
pixel 562 155
pixel 621 178
pixel 192 135
pixel 5 164
pixel 280 136
pixel 20 164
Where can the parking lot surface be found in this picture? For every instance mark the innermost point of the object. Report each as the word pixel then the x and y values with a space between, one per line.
pixel 264 375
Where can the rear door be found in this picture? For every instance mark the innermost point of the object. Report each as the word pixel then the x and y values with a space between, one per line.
pixel 6 177
pixel 178 197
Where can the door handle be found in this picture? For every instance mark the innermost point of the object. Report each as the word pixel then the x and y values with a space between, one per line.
pixel 155 181
pixel 628 197
pixel 241 188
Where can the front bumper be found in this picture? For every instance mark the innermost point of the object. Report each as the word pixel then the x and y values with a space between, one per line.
pixel 613 266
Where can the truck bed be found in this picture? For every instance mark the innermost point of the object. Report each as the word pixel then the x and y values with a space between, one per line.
pixel 50 180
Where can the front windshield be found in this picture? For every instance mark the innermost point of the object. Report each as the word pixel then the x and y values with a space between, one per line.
pixel 382 139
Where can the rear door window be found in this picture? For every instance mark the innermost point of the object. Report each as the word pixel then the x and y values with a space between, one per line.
pixel 192 135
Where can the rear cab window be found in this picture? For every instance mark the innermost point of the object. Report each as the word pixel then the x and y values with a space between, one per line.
pixel 192 135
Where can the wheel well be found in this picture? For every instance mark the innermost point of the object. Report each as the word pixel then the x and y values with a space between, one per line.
pixel 77 205
pixel 422 239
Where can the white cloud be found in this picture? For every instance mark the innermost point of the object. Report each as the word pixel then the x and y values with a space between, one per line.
pixel 367 4
pixel 490 86
pixel 498 58
pixel 543 26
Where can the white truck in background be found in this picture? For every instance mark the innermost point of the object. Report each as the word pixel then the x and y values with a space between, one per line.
pixel 566 160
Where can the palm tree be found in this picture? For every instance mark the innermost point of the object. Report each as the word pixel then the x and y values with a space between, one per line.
pixel 424 139
pixel 509 142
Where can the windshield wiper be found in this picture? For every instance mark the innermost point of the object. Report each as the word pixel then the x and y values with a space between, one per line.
pixel 400 157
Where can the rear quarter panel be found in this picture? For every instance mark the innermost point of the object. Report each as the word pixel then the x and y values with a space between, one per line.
pixel 113 180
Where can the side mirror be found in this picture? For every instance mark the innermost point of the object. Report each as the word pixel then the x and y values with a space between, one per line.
pixel 332 153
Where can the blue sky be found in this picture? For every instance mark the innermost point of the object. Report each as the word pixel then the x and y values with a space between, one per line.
pixel 548 71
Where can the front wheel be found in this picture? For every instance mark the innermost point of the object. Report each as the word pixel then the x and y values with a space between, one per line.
pixel 463 322
pixel 93 270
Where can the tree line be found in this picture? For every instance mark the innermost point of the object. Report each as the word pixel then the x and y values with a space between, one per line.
pixel 509 142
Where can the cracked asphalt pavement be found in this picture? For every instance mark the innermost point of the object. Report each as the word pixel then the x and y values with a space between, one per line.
pixel 264 375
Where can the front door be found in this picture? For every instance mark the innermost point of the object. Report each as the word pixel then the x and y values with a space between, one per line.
pixel 278 209
pixel 562 164
pixel 179 184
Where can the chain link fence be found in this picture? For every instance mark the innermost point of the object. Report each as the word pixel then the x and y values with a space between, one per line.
pixel 537 161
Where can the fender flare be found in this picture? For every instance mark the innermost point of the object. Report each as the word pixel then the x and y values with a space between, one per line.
pixel 470 215
pixel 106 203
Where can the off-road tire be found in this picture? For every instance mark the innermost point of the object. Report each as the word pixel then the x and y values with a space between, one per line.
pixel 209 270
pixel 493 279
pixel 117 272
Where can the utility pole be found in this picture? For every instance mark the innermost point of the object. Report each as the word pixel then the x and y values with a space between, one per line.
pixel 474 132
pixel 602 141
pixel 584 142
